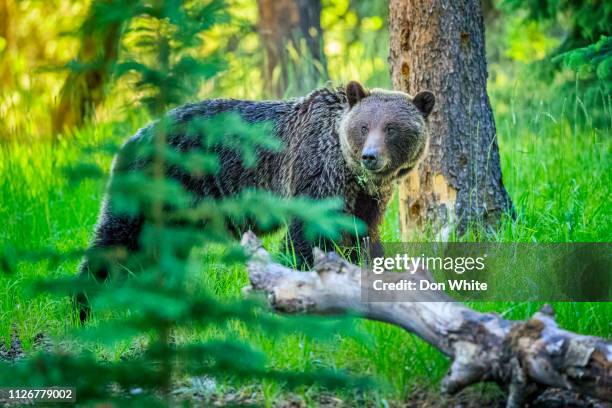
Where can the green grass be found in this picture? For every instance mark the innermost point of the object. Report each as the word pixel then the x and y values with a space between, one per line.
pixel 557 172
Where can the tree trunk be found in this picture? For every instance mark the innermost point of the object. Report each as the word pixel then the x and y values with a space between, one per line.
pixel 527 358
pixel 440 46
pixel 310 29
pixel 84 88
pixel 7 17
pixel 284 23
pixel 5 22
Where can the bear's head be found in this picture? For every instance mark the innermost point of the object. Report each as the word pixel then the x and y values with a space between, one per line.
pixel 384 133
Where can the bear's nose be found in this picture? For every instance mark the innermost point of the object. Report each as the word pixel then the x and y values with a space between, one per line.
pixel 369 159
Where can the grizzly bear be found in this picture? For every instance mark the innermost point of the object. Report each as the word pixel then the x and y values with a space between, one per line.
pixel 338 142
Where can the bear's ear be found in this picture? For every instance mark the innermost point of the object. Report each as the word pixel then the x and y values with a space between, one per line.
pixel 424 101
pixel 355 93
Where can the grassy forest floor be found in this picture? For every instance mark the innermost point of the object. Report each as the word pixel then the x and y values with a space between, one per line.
pixel 556 170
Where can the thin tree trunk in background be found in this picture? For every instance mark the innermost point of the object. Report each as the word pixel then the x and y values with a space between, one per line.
pixel 7 11
pixel 5 21
pixel 440 46
pixel 277 19
pixel 489 12
pixel 84 89
pixel 284 23
pixel 310 27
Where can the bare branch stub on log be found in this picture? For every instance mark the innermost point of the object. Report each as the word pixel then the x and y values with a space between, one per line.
pixel 525 357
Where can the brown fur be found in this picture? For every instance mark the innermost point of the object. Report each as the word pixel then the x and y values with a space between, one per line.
pixel 325 134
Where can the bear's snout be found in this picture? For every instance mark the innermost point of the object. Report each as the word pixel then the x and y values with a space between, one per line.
pixel 372 159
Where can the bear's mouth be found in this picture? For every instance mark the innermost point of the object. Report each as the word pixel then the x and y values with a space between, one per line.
pixel 375 170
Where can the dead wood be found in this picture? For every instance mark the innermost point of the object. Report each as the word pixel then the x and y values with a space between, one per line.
pixel 524 357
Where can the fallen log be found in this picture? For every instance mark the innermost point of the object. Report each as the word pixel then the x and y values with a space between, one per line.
pixel 524 357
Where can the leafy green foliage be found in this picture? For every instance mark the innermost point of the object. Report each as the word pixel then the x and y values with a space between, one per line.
pixel 587 20
pixel 148 295
pixel 586 46
pixel 596 58
pixel 163 36
pixel 553 35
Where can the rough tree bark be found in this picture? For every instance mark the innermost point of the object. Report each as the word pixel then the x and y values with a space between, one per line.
pixel 439 45
pixel 524 357
pixel 283 23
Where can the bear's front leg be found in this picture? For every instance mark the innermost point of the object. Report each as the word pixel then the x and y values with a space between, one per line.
pixel 299 248
pixel 358 247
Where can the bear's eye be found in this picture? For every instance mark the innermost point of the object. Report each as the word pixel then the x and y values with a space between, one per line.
pixel 364 130
pixel 391 130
